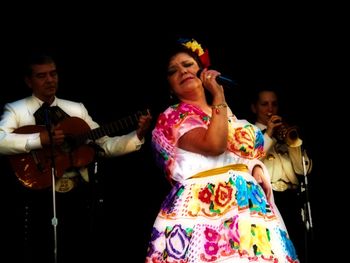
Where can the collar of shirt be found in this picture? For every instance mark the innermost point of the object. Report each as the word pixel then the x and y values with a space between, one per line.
pixel 261 126
pixel 40 102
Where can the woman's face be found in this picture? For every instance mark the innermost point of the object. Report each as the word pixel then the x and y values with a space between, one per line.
pixel 182 76
pixel 266 106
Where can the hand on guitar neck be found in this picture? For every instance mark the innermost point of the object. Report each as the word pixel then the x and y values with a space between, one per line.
pixel 143 125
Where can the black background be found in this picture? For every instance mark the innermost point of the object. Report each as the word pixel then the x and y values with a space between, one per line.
pixel 111 64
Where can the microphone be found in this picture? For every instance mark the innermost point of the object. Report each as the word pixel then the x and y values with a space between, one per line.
pixel 222 80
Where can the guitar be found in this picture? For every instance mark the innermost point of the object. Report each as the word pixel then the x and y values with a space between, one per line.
pixel 33 169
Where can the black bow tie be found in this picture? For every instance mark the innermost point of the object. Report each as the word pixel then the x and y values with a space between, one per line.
pixel 46 114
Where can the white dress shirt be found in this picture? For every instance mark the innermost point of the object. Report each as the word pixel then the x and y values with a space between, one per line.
pixel 283 162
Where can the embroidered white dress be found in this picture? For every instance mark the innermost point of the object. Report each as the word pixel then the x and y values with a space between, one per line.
pixel 216 211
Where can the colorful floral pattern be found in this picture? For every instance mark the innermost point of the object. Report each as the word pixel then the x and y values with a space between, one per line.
pixel 234 237
pixel 246 141
pixel 166 133
pixel 215 199
pixel 214 218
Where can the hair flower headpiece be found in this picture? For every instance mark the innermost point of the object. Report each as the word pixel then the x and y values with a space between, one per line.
pixel 195 47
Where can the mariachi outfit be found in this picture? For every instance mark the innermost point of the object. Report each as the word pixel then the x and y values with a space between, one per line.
pixel 76 208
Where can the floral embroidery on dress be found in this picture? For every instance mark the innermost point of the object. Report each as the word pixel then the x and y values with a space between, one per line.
pixel 217 217
pixel 246 141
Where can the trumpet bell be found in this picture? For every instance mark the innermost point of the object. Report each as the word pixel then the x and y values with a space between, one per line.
pixel 293 140
pixel 288 135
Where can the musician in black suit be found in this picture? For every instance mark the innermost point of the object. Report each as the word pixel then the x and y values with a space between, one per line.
pixel 44 157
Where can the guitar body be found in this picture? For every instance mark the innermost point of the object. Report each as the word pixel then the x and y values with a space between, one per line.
pixel 34 169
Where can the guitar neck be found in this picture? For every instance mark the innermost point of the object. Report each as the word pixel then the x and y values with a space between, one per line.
pixel 125 124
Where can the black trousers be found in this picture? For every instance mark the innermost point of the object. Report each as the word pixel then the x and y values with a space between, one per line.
pixel 36 238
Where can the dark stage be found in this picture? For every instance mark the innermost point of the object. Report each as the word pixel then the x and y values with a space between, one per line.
pixel 117 75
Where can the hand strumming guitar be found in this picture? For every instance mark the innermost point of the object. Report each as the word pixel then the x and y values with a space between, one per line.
pixel 57 136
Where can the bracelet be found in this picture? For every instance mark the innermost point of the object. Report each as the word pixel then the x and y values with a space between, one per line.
pixel 217 107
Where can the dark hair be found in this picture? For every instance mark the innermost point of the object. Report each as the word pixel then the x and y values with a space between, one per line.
pixel 177 48
pixel 172 46
pixel 261 87
pixel 37 58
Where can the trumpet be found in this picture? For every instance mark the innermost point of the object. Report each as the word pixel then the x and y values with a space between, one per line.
pixel 288 134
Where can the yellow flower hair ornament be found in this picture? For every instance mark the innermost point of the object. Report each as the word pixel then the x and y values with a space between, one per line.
pixel 195 47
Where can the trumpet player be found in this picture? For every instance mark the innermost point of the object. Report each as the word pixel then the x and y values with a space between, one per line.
pixel 284 161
